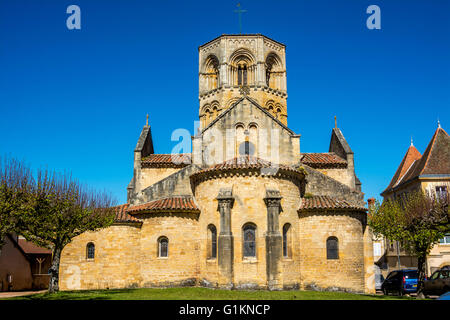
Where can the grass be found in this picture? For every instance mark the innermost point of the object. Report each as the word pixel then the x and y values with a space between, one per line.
pixel 195 293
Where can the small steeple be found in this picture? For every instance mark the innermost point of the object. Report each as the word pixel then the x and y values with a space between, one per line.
pixel 439 123
pixel 146 124
pixel 412 145
pixel 335 122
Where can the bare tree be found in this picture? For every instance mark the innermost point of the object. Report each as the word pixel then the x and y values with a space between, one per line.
pixel 62 209
pixel 417 219
pixel 16 182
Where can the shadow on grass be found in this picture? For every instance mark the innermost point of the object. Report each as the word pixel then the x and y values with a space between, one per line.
pixel 197 293
pixel 77 295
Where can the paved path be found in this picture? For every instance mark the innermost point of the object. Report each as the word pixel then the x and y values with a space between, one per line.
pixel 11 294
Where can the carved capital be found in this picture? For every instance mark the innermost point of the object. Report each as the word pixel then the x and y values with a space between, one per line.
pixel 224 204
pixel 273 198
pixel 225 198
pixel 272 202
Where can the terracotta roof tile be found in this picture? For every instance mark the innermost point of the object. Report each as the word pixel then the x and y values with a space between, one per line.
pixel 408 160
pixel 180 203
pixel 166 160
pixel 245 162
pixel 434 161
pixel 323 160
pixel 123 216
pixel 328 203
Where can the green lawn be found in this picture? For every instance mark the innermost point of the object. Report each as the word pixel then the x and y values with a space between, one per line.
pixel 194 293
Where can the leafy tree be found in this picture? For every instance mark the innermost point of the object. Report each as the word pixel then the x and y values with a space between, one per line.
pixel 15 192
pixel 62 209
pixel 417 219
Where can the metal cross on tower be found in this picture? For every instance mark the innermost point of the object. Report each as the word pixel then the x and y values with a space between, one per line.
pixel 239 12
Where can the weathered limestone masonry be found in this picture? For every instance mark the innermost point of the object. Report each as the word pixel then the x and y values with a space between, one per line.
pixel 226 240
pixel 273 240
pixel 245 209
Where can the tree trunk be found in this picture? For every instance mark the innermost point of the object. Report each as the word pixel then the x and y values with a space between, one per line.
pixel 54 271
pixel 421 270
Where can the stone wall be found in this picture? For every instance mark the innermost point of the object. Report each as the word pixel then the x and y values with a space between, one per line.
pixel 342 175
pixel 177 183
pixel 319 184
pixel 249 207
pixel 150 176
pixel 274 141
pixel 181 265
pixel 116 263
pixel 317 272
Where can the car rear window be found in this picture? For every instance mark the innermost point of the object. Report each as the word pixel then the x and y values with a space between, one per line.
pixel 411 275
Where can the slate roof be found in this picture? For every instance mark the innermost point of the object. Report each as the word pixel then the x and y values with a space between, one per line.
pixel 166 160
pixel 122 215
pixel 177 203
pixel 323 160
pixel 327 203
pixel 435 161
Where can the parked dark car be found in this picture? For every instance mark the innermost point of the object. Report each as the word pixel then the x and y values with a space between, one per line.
pixel 401 282
pixel 438 283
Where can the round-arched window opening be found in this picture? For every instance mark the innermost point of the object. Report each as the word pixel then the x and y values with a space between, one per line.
pixel 246 149
pixel 90 251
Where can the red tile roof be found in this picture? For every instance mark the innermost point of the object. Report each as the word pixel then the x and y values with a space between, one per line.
pixel 245 162
pixel 29 247
pixel 168 204
pixel 123 216
pixel 327 203
pixel 166 160
pixel 434 161
pixel 323 160
pixel 410 157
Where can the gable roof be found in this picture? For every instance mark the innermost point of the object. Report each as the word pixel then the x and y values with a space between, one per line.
pixel 323 160
pixel 172 204
pixel 30 248
pixel 166 160
pixel 412 155
pixel 256 104
pixel 434 161
pixel 327 203
pixel 122 215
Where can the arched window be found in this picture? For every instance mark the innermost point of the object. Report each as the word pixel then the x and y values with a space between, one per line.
pixel 246 148
pixel 212 242
pixel 253 137
pixel 249 235
pixel 287 252
pixel 90 251
pixel 274 71
pixel 332 248
pixel 163 247
pixel 242 75
pixel 278 114
pixel 211 74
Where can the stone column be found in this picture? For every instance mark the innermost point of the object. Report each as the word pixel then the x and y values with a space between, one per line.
pixel 225 239
pixel 273 240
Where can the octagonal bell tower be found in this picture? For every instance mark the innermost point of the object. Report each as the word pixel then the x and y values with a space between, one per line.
pixel 230 62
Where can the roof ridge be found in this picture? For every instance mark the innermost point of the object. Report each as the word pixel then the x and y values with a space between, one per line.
pixel 432 142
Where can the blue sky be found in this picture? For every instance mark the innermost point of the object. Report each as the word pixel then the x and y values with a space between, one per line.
pixel 76 100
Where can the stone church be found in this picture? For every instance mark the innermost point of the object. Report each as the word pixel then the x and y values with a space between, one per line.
pixel 245 209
